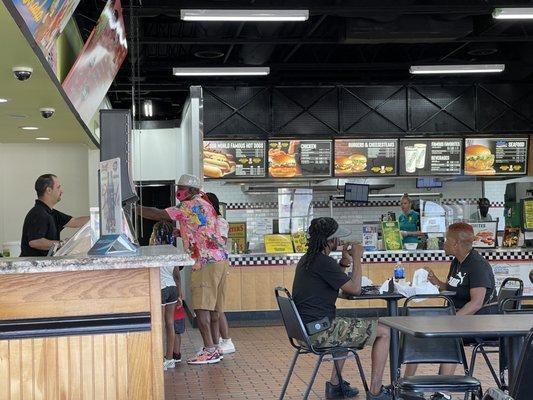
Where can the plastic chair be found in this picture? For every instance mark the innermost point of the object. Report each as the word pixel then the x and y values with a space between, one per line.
pixel 299 339
pixel 522 385
pixel 433 351
pixel 510 287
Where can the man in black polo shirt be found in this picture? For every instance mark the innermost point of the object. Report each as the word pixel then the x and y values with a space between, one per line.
pixel 43 224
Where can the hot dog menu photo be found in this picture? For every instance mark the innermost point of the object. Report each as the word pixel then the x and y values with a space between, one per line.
pixel 495 156
pixel 365 157
pixel 234 159
pixel 299 158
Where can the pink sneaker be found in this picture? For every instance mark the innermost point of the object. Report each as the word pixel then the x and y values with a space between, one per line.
pixel 205 357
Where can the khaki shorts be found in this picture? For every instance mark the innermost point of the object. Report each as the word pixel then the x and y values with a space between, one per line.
pixel 208 286
pixel 347 332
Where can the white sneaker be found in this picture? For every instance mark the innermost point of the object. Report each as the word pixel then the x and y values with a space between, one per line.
pixel 168 364
pixel 226 345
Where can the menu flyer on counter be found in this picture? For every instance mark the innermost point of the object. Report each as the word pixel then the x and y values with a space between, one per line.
pixel 278 243
pixel 491 156
pixel 528 214
pixel 485 233
pixel 431 156
pixel 234 158
pixel 299 158
pixel 237 233
pixel 365 157
pixel 392 237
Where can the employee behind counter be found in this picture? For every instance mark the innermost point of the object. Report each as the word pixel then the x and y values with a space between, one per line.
pixel 409 221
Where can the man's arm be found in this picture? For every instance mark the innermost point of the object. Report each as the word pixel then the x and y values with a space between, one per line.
pixel 152 213
pixel 43 244
pixel 477 295
pixel 77 222
pixel 177 280
pixel 353 286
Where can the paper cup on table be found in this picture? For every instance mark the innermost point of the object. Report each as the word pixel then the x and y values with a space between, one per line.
pixel 420 155
pixel 411 157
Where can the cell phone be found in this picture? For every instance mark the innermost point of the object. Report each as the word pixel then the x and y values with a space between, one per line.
pixel 318 326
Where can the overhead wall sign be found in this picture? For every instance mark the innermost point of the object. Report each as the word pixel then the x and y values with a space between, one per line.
pixel 299 158
pixel 496 156
pixel 431 156
pixel 365 157
pixel 234 158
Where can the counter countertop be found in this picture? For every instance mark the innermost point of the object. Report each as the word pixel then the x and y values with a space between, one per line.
pixel 496 254
pixel 147 257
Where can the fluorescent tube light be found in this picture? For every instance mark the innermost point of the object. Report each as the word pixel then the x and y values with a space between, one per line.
pixel 148 108
pixel 457 69
pixel 244 15
pixel 513 13
pixel 2 100
pixel 29 128
pixel 221 71
pixel 42 138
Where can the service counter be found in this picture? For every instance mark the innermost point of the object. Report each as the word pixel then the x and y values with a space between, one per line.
pixel 253 277
pixel 83 327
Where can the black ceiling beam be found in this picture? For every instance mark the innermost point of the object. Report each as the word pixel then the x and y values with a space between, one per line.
pixel 307 34
pixel 303 41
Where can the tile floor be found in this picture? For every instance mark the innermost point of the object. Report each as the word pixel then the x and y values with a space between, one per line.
pixel 257 370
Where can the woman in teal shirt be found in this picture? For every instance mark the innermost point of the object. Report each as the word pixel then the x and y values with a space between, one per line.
pixel 409 221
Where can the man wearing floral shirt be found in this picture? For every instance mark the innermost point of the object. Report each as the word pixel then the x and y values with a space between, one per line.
pixel 199 230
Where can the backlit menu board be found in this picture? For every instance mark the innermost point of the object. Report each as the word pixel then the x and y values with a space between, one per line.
pixel 234 158
pixel 495 156
pixel 365 157
pixel 299 158
pixel 431 156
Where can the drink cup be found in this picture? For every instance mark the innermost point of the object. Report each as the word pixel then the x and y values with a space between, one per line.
pixel 420 155
pixel 411 156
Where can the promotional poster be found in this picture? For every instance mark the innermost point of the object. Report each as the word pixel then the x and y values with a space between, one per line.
pixel 99 61
pixel 110 198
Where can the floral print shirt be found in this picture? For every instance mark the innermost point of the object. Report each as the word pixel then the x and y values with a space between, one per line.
pixel 199 230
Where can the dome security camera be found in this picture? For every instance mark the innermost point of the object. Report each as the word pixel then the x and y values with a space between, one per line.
pixel 22 73
pixel 47 112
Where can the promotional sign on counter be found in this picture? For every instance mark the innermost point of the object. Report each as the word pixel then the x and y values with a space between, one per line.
pixel 237 233
pixel 110 198
pixel 299 240
pixel 234 158
pixel 392 237
pixel 299 158
pixel 496 156
pixel 370 236
pixel 527 214
pixel 365 157
pixel 485 233
pixel 431 156
pixel 278 243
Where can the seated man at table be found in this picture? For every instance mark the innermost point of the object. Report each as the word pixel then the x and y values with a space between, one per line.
pixel 315 290
pixel 470 277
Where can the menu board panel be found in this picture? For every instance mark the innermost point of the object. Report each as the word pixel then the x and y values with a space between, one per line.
pixel 420 157
pixel 234 158
pixel 299 158
pixel 365 157
pixel 495 156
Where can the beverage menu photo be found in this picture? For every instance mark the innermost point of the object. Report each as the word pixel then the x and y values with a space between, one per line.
pixel 362 157
pixel 299 158
pixel 234 159
pixel 431 156
pixel 495 156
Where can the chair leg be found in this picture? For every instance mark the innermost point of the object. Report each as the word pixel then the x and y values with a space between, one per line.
pixel 473 359
pixel 289 374
pixel 313 376
pixel 361 371
pixel 491 368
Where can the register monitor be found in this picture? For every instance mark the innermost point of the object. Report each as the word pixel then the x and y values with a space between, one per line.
pixel 356 193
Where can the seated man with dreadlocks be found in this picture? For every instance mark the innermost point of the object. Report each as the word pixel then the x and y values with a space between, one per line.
pixel 315 289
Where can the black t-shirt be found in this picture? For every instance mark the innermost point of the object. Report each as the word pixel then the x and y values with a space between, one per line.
pixel 473 272
pixel 41 222
pixel 315 288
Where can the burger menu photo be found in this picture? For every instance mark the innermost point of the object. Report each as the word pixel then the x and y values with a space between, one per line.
pixel 234 159
pixel 430 156
pixel 362 157
pixel 495 156
pixel 299 158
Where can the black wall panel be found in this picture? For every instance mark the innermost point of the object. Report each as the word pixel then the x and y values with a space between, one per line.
pixel 380 110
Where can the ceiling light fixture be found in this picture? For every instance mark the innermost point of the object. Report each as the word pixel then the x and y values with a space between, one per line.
pixel 457 69
pixel 2 100
pixel 513 13
pixel 29 128
pixel 42 138
pixel 221 71
pixel 244 15
pixel 148 108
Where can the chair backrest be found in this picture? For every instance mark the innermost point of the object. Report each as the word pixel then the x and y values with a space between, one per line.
pixel 291 318
pixel 428 350
pixel 510 287
pixel 507 308
pixel 522 385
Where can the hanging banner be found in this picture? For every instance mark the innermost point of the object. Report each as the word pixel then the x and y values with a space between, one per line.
pixel 98 63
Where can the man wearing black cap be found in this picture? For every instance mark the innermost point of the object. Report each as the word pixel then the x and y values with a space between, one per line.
pixel 315 290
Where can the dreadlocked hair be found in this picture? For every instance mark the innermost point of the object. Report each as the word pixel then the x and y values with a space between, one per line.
pixel 318 233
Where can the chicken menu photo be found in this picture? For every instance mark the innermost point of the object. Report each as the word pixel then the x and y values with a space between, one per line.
pixel 299 158
pixel 234 159
pixel 495 156
pixel 362 157
pixel 431 156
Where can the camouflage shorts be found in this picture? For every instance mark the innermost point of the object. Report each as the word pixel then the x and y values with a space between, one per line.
pixel 347 332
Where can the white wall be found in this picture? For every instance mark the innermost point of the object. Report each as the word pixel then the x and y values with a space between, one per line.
pixel 154 154
pixel 21 164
